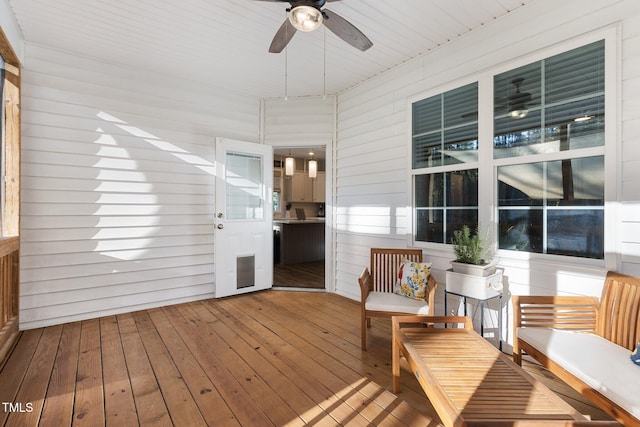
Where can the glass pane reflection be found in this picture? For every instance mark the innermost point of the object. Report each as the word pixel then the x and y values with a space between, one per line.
pixel 553 207
pixel 445 202
pixel 576 233
pixel 430 225
pixel 243 176
pixel 520 230
pixel 568 87
pixel 445 128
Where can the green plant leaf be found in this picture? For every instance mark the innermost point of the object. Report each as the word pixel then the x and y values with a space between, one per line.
pixel 468 247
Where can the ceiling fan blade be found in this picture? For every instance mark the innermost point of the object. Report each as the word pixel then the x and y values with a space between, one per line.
pixel 346 30
pixel 282 37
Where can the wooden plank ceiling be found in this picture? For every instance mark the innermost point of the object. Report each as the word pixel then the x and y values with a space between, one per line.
pixel 224 43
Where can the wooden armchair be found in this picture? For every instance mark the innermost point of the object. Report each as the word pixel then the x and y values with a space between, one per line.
pixel 557 330
pixel 377 285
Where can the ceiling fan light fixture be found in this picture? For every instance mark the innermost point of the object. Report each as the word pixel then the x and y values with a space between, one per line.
pixel 584 118
pixel 305 18
pixel 519 113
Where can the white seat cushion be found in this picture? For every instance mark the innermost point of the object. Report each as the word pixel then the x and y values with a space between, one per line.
pixel 601 364
pixel 382 301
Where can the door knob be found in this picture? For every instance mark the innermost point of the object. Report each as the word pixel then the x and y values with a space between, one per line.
pixel 220 226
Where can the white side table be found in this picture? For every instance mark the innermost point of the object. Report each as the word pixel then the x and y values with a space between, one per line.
pixel 480 289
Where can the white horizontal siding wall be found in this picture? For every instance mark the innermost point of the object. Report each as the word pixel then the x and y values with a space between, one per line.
pixel 299 121
pixel 117 186
pixel 373 190
pixel 372 198
pixel 630 166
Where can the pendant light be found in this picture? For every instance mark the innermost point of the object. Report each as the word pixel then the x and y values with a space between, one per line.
pixel 313 165
pixel 289 165
pixel 313 168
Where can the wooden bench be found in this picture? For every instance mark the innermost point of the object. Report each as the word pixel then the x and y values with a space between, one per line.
pixel 469 382
pixel 377 288
pixel 587 342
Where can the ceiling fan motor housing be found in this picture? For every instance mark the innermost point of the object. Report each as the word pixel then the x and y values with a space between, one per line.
pixel 314 4
pixel 307 15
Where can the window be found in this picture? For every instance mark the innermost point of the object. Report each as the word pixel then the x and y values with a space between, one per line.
pixel 552 106
pixel 243 186
pixel 445 134
pixel 548 154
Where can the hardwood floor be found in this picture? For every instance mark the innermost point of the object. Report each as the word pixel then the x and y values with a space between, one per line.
pixel 264 359
pixel 308 275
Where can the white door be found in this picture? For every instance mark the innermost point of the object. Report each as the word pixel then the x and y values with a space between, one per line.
pixel 244 213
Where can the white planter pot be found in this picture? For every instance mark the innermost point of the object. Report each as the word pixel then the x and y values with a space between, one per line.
pixel 478 287
pixel 474 270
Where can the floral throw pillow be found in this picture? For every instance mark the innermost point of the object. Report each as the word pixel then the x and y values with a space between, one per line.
pixel 412 279
pixel 635 356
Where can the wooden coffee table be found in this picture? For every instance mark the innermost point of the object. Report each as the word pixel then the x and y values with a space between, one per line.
pixel 470 382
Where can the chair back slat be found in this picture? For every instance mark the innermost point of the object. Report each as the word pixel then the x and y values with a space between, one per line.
pixel 619 310
pixel 385 266
pixel 566 312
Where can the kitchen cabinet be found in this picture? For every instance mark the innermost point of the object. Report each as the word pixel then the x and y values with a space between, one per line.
pixel 301 189
pixel 304 189
pixel 319 188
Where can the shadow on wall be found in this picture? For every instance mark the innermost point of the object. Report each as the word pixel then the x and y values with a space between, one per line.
pixel 114 219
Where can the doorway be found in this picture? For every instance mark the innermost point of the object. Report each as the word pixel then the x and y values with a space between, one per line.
pixel 299 203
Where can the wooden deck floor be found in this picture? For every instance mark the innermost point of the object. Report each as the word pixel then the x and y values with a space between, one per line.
pixel 264 359
pixel 308 275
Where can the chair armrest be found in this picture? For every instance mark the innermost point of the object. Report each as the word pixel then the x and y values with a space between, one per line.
pixel 430 296
pixel 559 312
pixel 366 283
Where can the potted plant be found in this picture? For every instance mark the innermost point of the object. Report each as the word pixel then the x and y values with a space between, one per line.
pixel 471 253
pixel 471 274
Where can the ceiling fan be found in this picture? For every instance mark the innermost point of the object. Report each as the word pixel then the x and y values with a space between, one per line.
pixel 517 103
pixel 305 15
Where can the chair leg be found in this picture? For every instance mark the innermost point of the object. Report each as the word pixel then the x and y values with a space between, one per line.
pixel 363 332
pixel 517 353
pixel 517 358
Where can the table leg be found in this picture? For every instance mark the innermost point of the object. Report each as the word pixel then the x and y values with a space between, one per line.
pixel 395 364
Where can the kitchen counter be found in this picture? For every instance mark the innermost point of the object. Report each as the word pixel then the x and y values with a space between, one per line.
pixel 298 240
pixel 299 221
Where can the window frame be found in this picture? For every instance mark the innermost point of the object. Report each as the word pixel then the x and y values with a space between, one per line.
pixel 488 166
